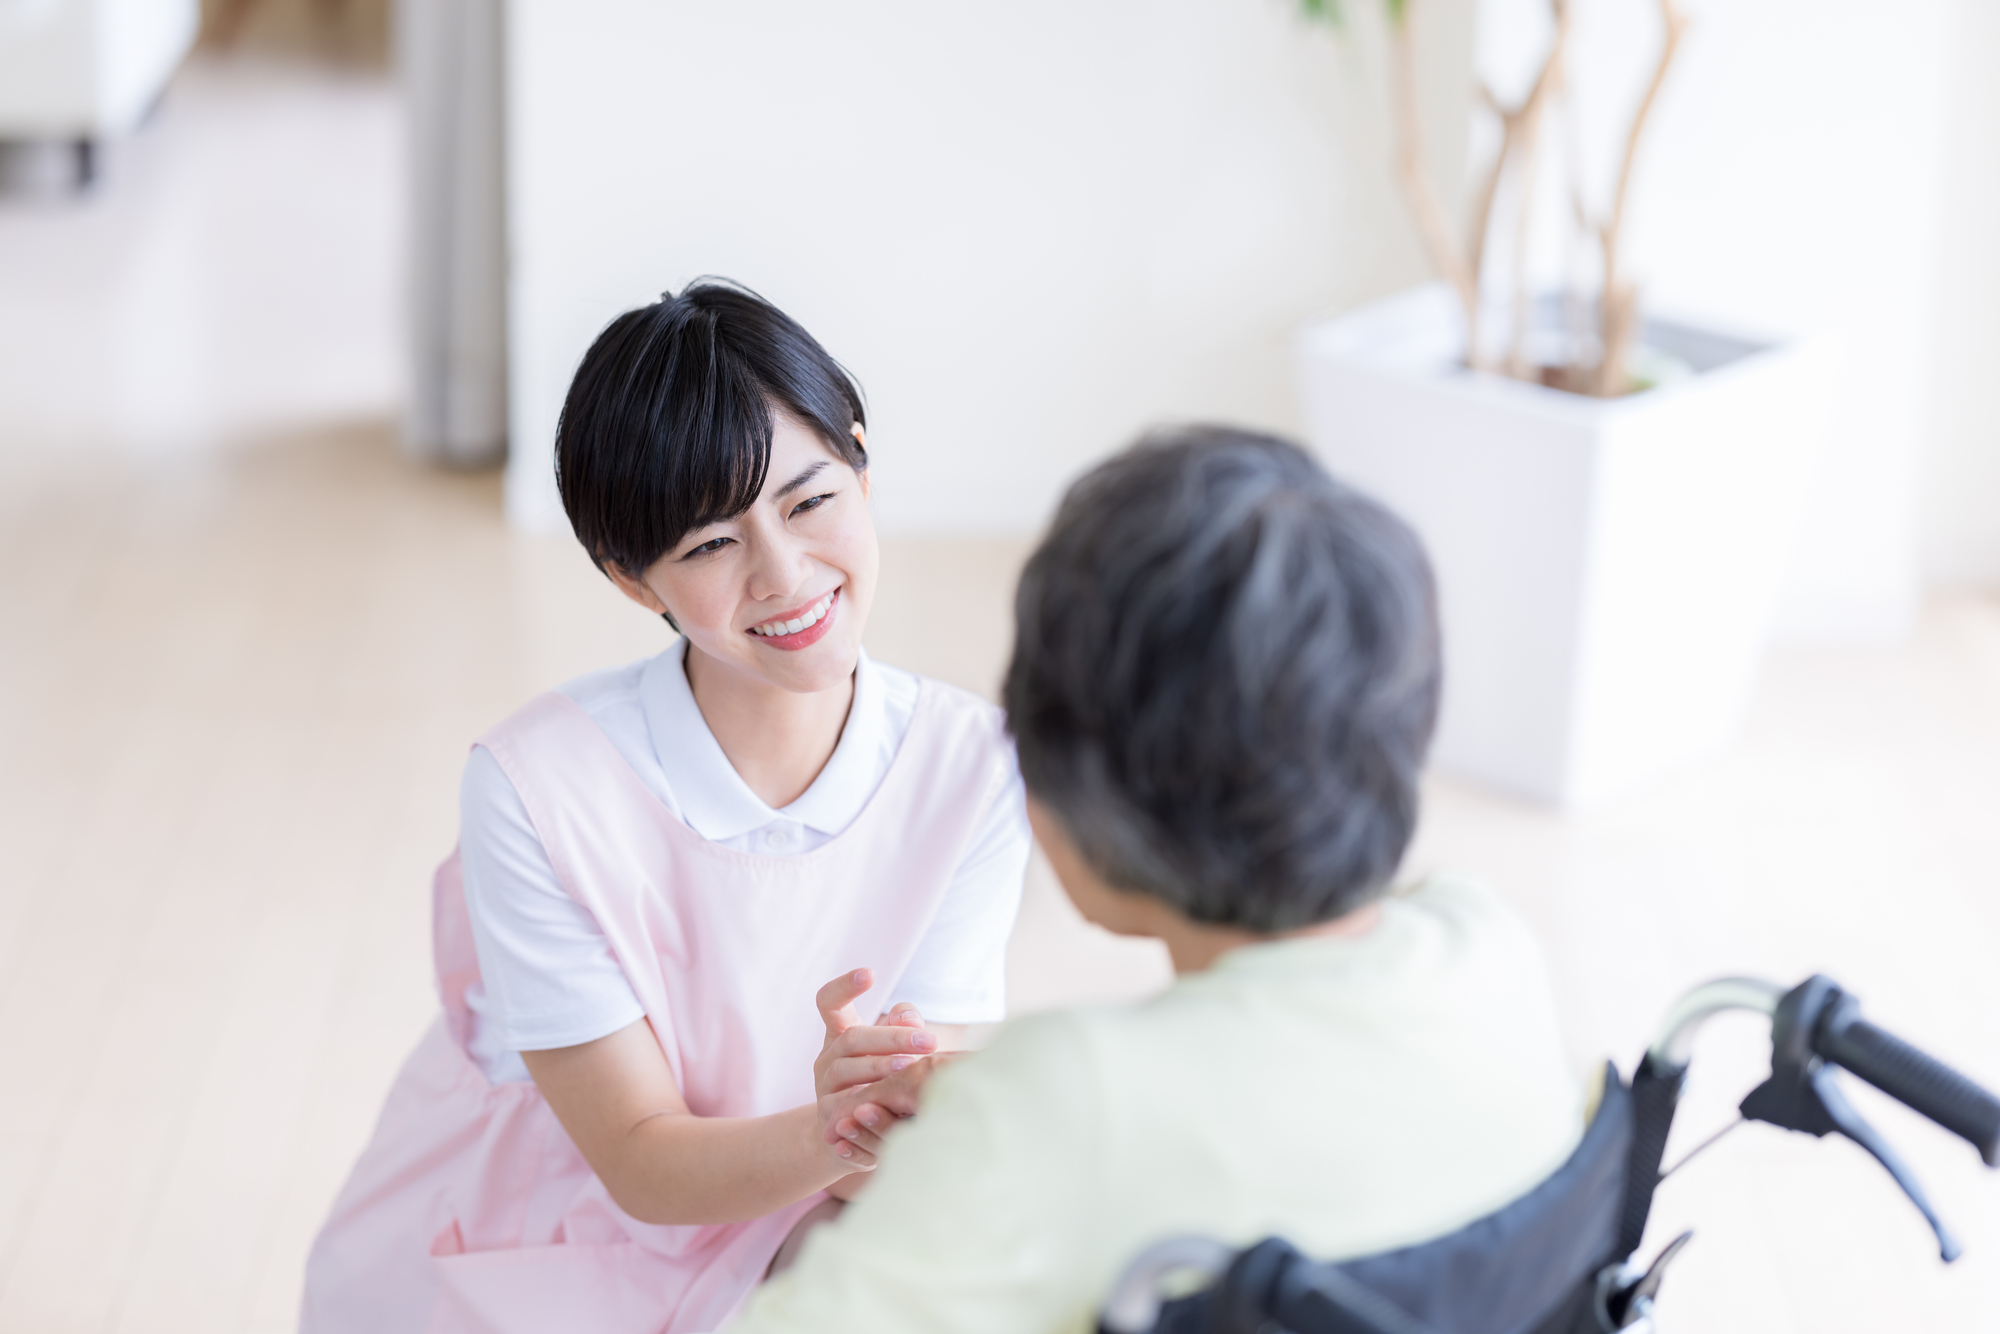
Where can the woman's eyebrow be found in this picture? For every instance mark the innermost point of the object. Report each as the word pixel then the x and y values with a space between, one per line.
pixel 811 471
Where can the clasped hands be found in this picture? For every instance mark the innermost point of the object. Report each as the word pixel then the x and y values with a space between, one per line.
pixel 867 1076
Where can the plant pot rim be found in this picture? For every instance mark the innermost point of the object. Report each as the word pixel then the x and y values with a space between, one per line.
pixel 1417 336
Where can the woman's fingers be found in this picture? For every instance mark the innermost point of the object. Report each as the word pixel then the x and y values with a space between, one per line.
pixel 848 1071
pixel 895 1095
pixel 836 1000
pixel 860 1136
pixel 899 1100
pixel 832 1071
pixel 905 1014
pixel 881 1040
pixel 854 1155
pixel 875 1106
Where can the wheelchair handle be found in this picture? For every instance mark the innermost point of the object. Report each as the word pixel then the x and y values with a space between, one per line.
pixel 1841 1036
pixel 1919 1081
pixel 1674 1047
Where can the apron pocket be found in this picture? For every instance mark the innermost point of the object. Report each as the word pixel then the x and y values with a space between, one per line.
pixel 619 1288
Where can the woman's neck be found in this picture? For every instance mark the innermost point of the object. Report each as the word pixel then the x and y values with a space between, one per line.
pixel 777 740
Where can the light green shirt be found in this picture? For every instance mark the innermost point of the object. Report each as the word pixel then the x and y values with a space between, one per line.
pixel 1351 1095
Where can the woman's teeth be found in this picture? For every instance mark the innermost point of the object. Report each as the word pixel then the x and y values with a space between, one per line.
pixel 805 620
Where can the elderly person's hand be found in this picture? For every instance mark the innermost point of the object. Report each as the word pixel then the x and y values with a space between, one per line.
pixel 880 1105
pixel 856 1056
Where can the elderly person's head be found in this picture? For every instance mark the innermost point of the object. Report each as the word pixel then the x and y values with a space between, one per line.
pixel 1225 677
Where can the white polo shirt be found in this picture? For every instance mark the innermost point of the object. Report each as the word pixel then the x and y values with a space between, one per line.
pixel 548 977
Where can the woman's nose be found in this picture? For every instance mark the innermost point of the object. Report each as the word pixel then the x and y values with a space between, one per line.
pixel 781 568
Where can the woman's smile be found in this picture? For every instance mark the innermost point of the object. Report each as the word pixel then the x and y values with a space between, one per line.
pixel 795 571
pixel 802 627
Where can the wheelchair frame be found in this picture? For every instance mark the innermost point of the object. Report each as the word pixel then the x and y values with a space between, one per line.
pixel 1581 1226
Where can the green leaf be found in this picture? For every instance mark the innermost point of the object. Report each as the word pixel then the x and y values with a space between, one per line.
pixel 1330 12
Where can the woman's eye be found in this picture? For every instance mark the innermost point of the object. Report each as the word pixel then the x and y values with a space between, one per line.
pixel 708 548
pixel 813 503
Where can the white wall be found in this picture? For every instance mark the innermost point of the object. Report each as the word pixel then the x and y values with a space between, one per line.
pixel 1792 181
pixel 1030 229
pixel 1961 516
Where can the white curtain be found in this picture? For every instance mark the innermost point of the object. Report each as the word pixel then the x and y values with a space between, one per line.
pixel 450 56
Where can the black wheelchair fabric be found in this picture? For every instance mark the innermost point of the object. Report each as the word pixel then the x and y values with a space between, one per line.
pixel 1529 1268
pixel 1655 1093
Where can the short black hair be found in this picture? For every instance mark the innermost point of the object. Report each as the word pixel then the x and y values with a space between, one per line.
pixel 667 425
pixel 1225 678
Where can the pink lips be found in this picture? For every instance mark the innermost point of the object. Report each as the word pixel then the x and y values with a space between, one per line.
pixel 805 638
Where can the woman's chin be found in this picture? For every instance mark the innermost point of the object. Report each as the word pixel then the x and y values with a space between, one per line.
pixel 825 665
pixel 802 664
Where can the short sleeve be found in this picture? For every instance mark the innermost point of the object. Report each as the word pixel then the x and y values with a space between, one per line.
pixel 549 976
pixel 958 974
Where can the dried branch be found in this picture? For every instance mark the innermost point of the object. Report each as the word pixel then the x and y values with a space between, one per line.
pixel 1489 189
pixel 1524 190
pixel 1576 317
pixel 1462 264
pixel 1512 121
pixel 1619 301
pixel 1446 257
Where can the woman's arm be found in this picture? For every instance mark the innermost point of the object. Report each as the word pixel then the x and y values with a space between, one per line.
pixel 617 1099
pixel 663 1164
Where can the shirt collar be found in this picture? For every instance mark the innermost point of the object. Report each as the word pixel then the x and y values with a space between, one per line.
pixel 858 763
pixel 714 800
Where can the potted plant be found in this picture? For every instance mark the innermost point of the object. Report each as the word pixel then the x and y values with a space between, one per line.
pixel 1610 500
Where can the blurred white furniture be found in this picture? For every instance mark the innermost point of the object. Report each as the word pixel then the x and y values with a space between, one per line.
pixel 449 58
pixel 87 70
pixel 1607 568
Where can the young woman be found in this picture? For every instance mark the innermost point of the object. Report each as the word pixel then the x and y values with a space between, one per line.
pixel 629 1103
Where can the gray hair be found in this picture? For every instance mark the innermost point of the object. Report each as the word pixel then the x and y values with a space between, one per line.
pixel 1225 677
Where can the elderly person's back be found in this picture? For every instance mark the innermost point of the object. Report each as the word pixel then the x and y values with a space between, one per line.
pixel 1224 680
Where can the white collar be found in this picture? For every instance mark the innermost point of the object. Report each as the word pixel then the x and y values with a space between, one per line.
pixel 714 800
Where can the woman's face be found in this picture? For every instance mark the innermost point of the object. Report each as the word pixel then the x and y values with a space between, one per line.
pixel 782 591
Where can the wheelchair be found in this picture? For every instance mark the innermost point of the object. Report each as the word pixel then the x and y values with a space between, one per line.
pixel 1559 1259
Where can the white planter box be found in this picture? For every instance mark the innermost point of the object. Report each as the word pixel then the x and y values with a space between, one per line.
pixel 1606 568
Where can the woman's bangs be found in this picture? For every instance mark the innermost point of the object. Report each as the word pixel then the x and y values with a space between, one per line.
pixel 727 456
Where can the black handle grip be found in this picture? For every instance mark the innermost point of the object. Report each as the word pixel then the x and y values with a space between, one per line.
pixel 1920 1082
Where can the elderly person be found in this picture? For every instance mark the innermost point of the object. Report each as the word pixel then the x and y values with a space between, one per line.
pixel 1224 680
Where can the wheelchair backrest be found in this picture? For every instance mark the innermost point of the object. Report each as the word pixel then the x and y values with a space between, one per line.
pixel 1529 1268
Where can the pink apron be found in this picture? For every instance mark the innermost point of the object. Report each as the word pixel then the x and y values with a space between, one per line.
pixel 471 1210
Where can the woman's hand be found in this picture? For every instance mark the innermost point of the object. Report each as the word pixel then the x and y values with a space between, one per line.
pixel 854 1061
pixel 880 1105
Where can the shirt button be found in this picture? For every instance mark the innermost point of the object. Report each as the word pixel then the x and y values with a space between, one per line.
pixel 779 838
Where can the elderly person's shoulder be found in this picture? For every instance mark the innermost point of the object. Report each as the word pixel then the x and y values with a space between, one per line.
pixel 1449 961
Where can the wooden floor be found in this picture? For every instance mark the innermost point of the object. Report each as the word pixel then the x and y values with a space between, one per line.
pixel 240 663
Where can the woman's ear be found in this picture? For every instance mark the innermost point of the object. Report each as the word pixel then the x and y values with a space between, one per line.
pixel 637 589
pixel 861 439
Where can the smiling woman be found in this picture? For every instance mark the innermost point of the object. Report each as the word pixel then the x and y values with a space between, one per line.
pixel 713 371
pixel 706 535
pixel 772 602
pixel 661 864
